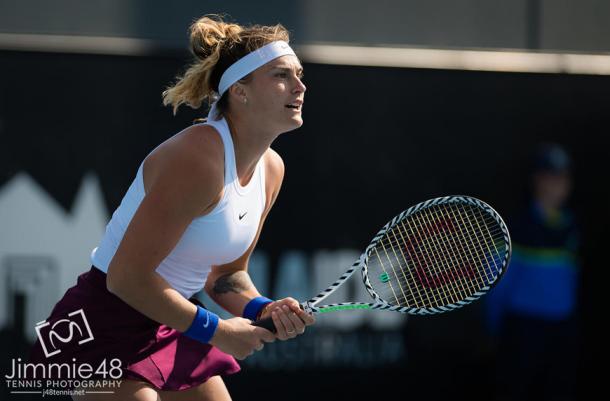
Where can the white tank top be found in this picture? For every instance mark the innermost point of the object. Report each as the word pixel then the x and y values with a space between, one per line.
pixel 219 237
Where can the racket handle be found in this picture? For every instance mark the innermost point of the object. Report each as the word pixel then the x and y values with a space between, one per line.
pixel 266 323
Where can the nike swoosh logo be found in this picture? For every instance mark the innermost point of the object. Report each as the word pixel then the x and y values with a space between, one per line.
pixel 241 216
pixel 207 323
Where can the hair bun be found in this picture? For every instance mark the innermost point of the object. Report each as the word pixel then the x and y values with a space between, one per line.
pixel 216 45
pixel 209 33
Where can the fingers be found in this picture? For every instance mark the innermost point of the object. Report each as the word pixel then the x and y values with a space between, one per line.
pixel 307 318
pixel 279 324
pixel 287 323
pixel 297 322
pixel 265 335
pixel 290 302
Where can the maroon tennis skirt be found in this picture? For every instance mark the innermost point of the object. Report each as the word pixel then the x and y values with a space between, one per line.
pixel 147 351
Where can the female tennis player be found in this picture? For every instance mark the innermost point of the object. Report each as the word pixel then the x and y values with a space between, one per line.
pixel 190 221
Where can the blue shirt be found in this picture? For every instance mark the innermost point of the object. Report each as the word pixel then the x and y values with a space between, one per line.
pixel 542 278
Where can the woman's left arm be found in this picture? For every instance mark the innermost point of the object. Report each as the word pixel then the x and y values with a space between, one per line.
pixel 230 286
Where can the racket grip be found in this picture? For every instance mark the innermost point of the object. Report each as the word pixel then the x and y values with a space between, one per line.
pixel 266 323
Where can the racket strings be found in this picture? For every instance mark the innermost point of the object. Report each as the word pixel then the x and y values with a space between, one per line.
pixel 431 298
pixel 494 243
pixel 432 259
pixel 464 252
pixel 401 283
pixel 448 257
pixel 423 259
pixel 411 278
pixel 394 271
pixel 495 232
pixel 458 255
pixel 438 256
pixel 458 252
pixel 455 258
pixel 485 231
pixel 442 287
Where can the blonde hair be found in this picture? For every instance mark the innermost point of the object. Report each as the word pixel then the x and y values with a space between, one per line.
pixel 216 45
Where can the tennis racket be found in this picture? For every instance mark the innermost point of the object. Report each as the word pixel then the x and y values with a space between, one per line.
pixel 434 257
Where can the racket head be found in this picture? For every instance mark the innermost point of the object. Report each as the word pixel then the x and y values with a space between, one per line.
pixel 436 256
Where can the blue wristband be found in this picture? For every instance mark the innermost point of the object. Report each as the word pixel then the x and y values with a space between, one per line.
pixel 255 306
pixel 204 326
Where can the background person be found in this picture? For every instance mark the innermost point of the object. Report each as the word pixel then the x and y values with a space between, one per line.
pixel 533 309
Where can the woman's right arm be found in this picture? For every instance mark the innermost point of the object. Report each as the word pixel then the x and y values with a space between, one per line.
pixel 187 180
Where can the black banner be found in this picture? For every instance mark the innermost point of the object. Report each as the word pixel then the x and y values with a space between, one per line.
pixel 375 141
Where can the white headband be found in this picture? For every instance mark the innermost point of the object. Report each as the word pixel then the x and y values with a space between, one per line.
pixel 251 62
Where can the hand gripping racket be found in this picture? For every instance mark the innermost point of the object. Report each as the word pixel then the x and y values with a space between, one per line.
pixel 434 257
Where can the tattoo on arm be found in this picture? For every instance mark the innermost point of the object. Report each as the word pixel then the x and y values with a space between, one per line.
pixel 233 282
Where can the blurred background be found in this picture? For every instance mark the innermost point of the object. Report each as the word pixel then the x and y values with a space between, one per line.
pixel 406 100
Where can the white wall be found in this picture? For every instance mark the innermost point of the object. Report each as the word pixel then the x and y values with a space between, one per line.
pixel 34 226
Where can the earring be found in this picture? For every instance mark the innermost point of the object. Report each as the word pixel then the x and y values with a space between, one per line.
pixel 245 100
